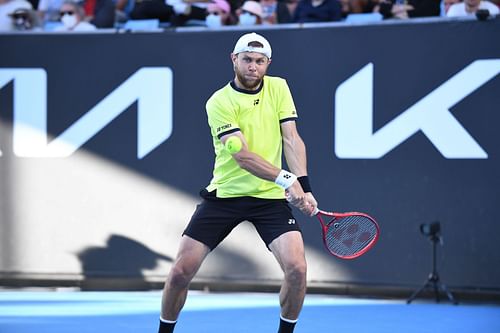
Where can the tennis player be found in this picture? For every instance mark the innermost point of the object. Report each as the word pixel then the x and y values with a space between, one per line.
pixel 250 184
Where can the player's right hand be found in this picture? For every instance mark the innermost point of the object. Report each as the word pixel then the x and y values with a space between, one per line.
pixel 296 196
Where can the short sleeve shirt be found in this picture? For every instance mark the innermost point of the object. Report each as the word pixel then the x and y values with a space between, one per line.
pixel 258 115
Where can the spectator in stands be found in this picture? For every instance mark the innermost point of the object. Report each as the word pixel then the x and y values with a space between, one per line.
pixel 100 13
pixel 152 9
pixel 273 11
pixel 470 7
pixel 286 10
pixel 347 7
pixel 446 4
pixel 73 18
pixel 250 13
pixel 357 6
pixel 25 20
pixel 123 8
pixel 196 12
pixel 219 14
pixel 269 11
pixel 185 11
pixel 404 9
pixel 49 10
pixel 7 7
pixel 318 11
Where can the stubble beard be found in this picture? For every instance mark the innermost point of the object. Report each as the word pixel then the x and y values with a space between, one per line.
pixel 246 83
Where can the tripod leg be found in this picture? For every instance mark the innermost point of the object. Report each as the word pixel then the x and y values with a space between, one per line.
pixel 436 291
pixel 418 291
pixel 448 293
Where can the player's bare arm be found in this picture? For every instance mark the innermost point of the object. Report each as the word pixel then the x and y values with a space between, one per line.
pixel 252 162
pixel 261 168
pixel 296 158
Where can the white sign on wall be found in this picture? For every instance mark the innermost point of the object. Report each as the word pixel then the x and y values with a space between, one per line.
pixel 150 87
pixel 354 136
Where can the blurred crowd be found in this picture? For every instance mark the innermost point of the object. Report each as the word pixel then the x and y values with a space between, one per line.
pixel 87 15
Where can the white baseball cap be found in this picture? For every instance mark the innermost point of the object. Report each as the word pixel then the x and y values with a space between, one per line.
pixel 242 45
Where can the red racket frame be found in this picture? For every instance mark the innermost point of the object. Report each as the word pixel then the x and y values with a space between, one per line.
pixel 335 216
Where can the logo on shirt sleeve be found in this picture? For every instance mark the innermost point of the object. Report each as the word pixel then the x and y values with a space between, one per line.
pixel 223 127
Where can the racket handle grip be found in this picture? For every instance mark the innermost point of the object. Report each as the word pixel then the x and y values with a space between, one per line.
pixel 316 211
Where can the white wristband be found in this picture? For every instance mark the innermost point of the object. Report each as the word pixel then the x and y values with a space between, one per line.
pixel 285 179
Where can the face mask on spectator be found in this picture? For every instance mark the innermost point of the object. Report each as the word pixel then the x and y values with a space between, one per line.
pixel 68 20
pixel 21 23
pixel 268 9
pixel 21 19
pixel 248 19
pixel 213 21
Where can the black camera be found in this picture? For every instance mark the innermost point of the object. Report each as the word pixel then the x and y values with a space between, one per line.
pixel 431 229
pixel 482 14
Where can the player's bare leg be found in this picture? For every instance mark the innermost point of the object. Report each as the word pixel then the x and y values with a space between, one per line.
pixel 289 251
pixel 189 259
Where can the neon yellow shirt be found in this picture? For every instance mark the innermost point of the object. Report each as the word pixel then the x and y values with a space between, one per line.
pixel 258 115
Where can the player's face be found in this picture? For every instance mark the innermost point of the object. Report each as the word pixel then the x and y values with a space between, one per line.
pixel 250 68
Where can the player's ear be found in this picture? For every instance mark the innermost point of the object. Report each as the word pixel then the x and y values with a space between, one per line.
pixel 233 57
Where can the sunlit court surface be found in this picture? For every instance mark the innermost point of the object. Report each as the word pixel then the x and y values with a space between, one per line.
pixel 73 311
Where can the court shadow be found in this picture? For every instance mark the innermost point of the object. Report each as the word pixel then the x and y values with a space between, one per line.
pixel 118 265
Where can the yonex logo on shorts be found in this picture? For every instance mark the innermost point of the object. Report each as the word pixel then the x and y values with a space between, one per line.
pixel 291 221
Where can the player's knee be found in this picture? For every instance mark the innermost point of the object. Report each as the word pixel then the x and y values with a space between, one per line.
pixel 296 272
pixel 179 277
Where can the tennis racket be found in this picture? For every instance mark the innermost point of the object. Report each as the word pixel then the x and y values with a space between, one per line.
pixel 348 235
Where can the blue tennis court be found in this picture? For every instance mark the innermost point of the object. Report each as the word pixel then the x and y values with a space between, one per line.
pixel 78 312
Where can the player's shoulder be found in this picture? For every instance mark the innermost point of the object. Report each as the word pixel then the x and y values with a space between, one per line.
pixel 275 80
pixel 219 95
pixel 222 90
pixel 219 99
pixel 275 84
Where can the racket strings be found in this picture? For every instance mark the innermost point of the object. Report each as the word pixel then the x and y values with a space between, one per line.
pixel 349 235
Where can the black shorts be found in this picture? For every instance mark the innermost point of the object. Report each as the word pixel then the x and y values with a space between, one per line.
pixel 215 218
